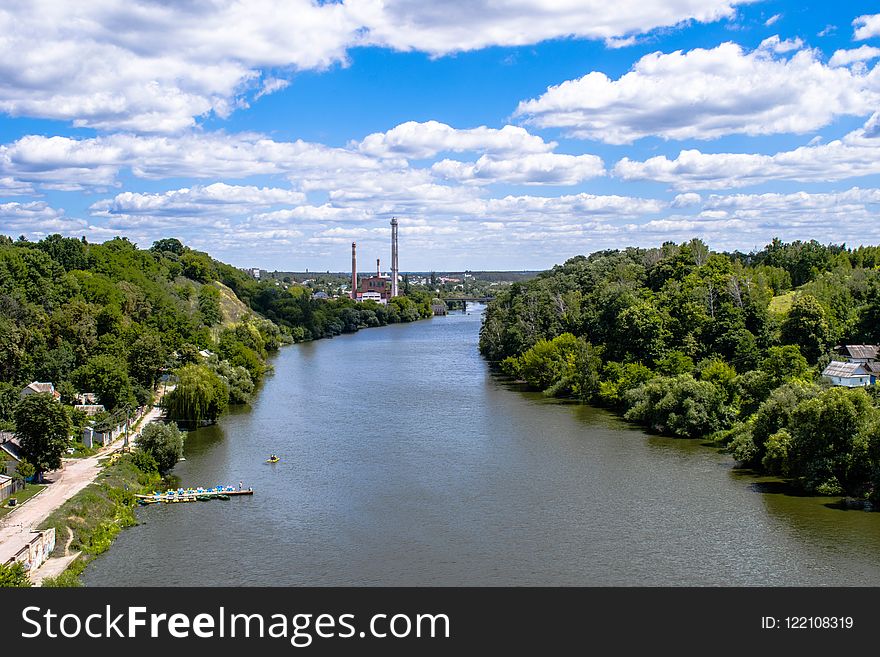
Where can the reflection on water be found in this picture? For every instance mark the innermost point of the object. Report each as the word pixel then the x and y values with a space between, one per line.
pixel 405 462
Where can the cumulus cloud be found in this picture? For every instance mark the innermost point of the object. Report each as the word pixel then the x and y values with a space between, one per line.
pixel 415 140
pixel 857 154
pixel 155 66
pixel 461 25
pixel 685 200
pixel 68 163
pixel 36 218
pixel 218 198
pixel 851 214
pixel 847 57
pixel 704 94
pixel 535 169
pixel 866 27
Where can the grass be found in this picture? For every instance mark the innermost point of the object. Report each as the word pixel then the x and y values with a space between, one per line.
pixel 21 497
pixel 81 451
pixel 97 514
pixel 782 304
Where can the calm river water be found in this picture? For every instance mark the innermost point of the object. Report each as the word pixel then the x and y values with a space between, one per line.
pixel 404 462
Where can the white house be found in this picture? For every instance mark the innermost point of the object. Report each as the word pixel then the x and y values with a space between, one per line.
pixel 36 387
pixel 850 375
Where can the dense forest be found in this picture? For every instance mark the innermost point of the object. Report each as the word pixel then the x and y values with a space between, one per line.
pixel 112 319
pixel 728 346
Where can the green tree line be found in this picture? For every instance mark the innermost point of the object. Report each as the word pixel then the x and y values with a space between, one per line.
pixel 693 343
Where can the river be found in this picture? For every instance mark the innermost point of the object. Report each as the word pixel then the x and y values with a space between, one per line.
pixel 405 462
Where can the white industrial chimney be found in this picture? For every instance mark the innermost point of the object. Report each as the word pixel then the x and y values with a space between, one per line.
pixel 394 271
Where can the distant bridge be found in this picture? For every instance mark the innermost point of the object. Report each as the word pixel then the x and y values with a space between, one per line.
pixel 465 300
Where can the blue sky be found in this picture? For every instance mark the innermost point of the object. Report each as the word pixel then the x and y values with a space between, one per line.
pixel 510 134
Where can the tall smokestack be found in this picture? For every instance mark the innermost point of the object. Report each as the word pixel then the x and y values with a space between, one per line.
pixel 354 271
pixel 393 256
pixel 378 271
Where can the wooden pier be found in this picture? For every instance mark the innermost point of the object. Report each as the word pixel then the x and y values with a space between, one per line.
pixel 193 495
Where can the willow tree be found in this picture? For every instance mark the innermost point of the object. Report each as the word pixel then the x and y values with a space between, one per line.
pixel 199 397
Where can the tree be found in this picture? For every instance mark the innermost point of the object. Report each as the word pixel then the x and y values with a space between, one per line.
pixel 145 358
pixel 106 376
pixel 775 413
pixel 200 396
pixel 14 576
pixel 807 326
pixel 43 428
pixel 24 470
pixel 784 364
pixel 209 305
pixel 826 433
pixel 164 442
pixel 675 363
pixel 168 245
pixel 680 406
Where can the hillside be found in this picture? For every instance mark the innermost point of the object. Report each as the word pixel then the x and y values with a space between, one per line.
pixel 110 318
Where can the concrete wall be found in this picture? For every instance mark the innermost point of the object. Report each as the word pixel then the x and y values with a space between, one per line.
pixel 37 549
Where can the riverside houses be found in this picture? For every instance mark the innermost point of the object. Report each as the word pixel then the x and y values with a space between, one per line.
pixel 860 368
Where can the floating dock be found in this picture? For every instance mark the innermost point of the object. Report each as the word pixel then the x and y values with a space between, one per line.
pixel 193 495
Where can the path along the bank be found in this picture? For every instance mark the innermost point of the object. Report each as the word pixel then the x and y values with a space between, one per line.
pixel 74 475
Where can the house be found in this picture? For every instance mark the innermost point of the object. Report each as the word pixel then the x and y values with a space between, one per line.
pixel 859 353
pixel 866 354
pixel 94 438
pixel 36 387
pixel 8 486
pixel 89 409
pixel 850 375
pixel 10 452
pixel 320 295
pixel 86 398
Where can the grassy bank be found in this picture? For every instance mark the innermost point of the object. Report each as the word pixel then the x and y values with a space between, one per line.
pixel 97 514
pixel 21 497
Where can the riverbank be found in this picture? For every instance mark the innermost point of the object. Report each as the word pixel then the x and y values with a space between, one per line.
pixel 97 514
pixel 68 485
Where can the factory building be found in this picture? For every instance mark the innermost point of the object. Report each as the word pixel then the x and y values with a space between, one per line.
pixel 379 287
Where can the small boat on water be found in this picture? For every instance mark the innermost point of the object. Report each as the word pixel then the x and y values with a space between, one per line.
pixel 272 459
pixel 199 494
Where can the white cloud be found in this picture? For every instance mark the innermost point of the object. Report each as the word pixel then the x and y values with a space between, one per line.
pixel 415 140
pixel 849 215
pixel 857 154
pixel 847 57
pixel 270 86
pixel 534 169
pixel 568 207
pixel 65 162
pixel 780 46
pixel 866 27
pixel 157 66
pixel 770 21
pixel 705 94
pixel 35 218
pixel 685 200
pixel 461 25
pixel 218 198
pixel 154 66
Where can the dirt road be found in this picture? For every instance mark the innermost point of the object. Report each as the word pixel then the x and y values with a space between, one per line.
pixel 74 475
